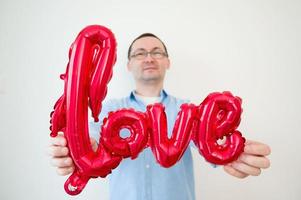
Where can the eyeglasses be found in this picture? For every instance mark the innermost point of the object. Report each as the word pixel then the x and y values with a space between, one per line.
pixel 142 54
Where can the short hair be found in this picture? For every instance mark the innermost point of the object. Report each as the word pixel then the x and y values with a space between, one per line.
pixel 146 35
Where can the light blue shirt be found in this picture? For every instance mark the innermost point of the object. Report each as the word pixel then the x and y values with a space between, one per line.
pixel 143 178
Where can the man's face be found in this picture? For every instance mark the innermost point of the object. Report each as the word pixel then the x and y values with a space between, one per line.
pixel 148 69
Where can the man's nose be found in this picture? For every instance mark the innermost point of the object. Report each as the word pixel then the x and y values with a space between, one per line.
pixel 149 57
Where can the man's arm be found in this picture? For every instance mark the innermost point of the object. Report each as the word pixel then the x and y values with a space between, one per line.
pixel 251 161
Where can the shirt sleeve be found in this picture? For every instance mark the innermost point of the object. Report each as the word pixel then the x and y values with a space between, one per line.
pixel 94 127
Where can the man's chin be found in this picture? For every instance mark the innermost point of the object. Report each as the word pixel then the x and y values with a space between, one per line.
pixel 151 78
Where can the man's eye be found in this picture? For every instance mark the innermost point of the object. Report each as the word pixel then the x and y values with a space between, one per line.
pixel 140 54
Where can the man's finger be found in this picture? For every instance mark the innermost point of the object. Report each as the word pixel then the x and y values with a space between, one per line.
pixel 255 161
pixel 230 170
pixel 65 171
pixel 62 162
pixel 257 148
pixel 59 140
pixel 58 151
pixel 247 169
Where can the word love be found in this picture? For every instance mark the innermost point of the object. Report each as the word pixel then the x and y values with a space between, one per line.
pixel 216 117
pixel 91 59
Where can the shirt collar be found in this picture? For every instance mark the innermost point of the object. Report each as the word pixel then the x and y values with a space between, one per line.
pixel 134 97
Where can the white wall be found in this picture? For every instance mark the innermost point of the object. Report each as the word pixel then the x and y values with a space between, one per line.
pixel 251 48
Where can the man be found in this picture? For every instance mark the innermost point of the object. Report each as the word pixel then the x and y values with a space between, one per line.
pixel 143 178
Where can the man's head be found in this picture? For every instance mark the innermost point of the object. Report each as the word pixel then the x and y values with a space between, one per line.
pixel 148 59
pixel 142 36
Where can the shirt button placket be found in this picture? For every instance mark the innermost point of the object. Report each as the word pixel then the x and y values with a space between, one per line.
pixel 148 178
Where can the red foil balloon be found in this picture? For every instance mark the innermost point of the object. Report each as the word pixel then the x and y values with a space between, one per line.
pixel 169 150
pixel 219 117
pixel 132 145
pixel 91 58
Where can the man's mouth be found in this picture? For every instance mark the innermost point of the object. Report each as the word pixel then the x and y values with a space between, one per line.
pixel 150 68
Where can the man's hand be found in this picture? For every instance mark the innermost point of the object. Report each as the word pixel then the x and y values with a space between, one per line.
pixel 251 161
pixel 59 153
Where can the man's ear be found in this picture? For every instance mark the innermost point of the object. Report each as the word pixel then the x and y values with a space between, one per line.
pixel 168 64
pixel 128 66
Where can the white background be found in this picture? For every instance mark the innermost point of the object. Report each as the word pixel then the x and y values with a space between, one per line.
pixel 251 48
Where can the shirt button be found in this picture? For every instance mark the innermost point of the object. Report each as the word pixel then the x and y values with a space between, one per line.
pixel 147 166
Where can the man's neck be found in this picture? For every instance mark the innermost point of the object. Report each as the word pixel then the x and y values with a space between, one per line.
pixel 149 90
